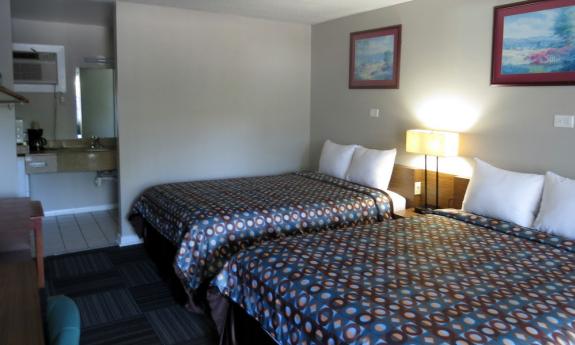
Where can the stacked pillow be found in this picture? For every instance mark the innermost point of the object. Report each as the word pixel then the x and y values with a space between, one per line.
pixel 502 194
pixel 546 203
pixel 357 164
pixel 335 159
pixel 557 213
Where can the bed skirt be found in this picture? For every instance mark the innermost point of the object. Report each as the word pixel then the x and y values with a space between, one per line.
pixel 233 324
pixel 163 253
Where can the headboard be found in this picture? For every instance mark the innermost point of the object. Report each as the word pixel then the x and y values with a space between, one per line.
pixel 451 188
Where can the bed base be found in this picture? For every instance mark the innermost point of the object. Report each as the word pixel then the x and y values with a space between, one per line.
pixel 234 325
pixel 163 253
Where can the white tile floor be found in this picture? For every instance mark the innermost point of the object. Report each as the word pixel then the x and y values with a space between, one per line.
pixel 78 232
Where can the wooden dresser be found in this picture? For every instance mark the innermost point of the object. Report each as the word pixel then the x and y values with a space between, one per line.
pixel 20 275
pixel 20 311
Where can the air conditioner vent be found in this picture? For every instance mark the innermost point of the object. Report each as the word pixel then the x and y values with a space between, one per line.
pixel 35 72
pixel 27 72
pixel 39 68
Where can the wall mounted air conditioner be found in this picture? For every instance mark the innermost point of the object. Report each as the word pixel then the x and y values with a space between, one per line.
pixel 39 68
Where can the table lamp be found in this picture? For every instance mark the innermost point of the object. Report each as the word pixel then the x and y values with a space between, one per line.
pixel 432 143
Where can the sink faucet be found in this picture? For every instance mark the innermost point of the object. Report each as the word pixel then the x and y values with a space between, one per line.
pixel 95 142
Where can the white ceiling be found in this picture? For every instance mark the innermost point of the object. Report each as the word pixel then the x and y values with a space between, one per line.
pixel 302 11
pixel 101 11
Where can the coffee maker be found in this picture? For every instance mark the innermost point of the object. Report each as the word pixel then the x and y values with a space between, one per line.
pixel 35 140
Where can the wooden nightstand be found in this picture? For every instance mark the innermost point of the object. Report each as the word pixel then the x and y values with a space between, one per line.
pixel 408 213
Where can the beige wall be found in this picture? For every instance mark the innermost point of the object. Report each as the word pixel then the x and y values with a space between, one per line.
pixel 204 95
pixel 446 54
pixel 80 41
pixel 8 186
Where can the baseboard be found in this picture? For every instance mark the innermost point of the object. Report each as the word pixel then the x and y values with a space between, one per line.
pixel 80 210
pixel 129 240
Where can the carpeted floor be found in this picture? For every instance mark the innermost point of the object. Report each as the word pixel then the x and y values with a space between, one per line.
pixel 123 300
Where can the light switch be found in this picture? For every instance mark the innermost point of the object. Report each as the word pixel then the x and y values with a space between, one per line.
pixel 374 113
pixel 564 121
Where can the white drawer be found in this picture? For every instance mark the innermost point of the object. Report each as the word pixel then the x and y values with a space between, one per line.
pixel 41 163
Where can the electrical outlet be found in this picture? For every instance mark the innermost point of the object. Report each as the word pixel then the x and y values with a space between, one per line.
pixel 417 188
pixel 374 113
pixel 564 121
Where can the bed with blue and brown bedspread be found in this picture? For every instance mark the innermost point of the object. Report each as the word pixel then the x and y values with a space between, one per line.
pixel 445 278
pixel 209 221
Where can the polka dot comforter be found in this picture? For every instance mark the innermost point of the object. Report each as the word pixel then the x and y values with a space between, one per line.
pixel 209 221
pixel 444 278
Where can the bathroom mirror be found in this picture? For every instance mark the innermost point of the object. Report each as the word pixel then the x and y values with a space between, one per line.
pixel 95 103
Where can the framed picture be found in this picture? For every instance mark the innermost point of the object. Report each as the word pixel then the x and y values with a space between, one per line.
pixel 534 43
pixel 374 58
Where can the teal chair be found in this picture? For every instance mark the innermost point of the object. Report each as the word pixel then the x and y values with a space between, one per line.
pixel 63 321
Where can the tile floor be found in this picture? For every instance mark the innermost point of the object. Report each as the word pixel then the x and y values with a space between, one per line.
pixel 78 232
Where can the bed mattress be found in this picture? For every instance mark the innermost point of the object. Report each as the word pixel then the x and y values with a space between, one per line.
pixel 209 221
pixel 450 277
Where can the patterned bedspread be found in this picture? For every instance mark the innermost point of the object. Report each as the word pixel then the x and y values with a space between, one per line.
pixel 448 278
pixel 209 221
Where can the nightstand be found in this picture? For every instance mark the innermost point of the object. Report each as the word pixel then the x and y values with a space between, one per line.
pixel 408 213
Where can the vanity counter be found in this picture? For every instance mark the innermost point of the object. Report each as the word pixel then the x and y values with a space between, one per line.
pixel 72 159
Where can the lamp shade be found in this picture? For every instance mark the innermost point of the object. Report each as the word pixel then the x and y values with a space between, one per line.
pixel 433 143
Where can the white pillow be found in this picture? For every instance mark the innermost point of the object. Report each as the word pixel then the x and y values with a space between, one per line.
pixel 372 168
pixel 504 195
pixel 335 159
pixel 557 213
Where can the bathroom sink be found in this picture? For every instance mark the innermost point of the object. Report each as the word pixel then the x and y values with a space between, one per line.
pixel 86 159
pixel 84 149
pixel 75 155
pixel 98 149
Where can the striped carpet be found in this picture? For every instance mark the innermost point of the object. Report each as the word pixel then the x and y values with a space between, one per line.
pixel 123 300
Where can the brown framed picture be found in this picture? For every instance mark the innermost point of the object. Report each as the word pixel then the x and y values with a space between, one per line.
pixel 375 58
pixel 534 43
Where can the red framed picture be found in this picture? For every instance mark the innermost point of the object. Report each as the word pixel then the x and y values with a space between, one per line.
pixel 534 43
pixel 375 58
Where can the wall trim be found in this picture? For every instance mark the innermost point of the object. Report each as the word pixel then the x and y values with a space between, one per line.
pixel 129 240
pixel 68 211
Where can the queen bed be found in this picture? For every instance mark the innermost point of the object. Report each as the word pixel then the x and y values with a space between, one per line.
pixel 448 277
pixel 195 227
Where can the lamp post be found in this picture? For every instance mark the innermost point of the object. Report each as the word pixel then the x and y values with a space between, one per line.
pixel 432 143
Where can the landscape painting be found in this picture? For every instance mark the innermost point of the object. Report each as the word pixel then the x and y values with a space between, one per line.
pixel 374 58
pixel 534 43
